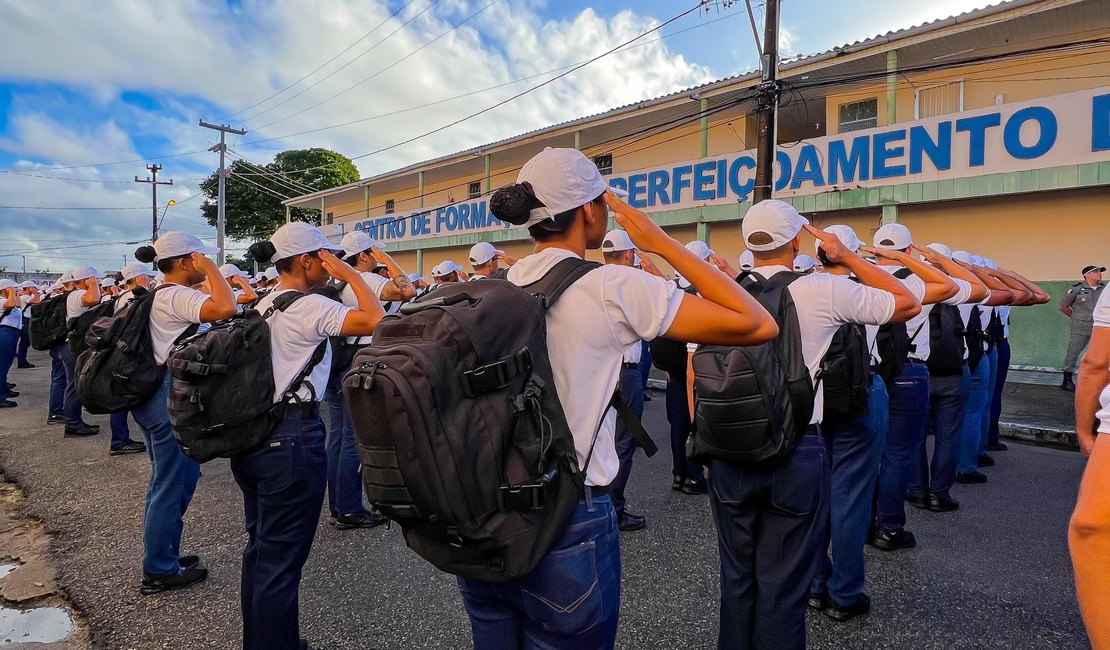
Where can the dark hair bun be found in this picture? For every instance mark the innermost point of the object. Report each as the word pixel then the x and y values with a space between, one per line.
pixel 262 251
pixel 145 254
pixel 514 203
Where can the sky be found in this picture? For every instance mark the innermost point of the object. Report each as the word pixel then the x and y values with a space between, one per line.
pixel 84 83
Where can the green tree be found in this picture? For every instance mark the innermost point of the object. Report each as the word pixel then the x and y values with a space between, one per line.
pixel 252 212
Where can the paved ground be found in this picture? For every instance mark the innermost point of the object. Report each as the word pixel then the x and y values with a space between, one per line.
pixel 993 575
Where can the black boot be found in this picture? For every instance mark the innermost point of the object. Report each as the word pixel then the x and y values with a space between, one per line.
pixel 1067 384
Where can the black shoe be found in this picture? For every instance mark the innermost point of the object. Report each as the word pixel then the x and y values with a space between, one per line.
pixel 56 419
pixel 690 486
pixel 629 522
pixel 10 385
pixel 12 393
pixel 892 540
pixel 819 600
pixel 8 404
pixel 918 501
pixel 998 446
pixel 676 483
pixel 189 561
pixel 1067 384
pixel 82 430
pixel 361 519
pixel 647 398
pixel 129 447
pixel 971 478
pixel 841 613
pixel 985 460
pixel 156 584
pixel 26 365
pixel 942 503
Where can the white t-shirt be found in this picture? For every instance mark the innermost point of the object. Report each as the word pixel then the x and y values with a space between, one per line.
pixel 377 284
pixel 74 308
pixel 916 286
pixel 294 336
pixel 123 300
pixel 25 301
pixel 984 319
pixel 633 353
pixel 595 321
pixel 1102 319
pixel 14 317
pixel 825 302
pixel 173 311
pixel 1004 316
pixel 918 326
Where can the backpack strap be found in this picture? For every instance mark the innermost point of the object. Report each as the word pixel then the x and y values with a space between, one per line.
pixel 559 278
pixel 282 303
pixel 902 273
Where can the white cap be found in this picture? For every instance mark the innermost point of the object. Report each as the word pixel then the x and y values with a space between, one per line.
pixel 83 273
pixel 5 284
pixel 483 252
pixel 357 241
pixel 413 277
pixel 747 261
pixel 962 256
pixel 977 260
pixel 845 234
pixel 699 248
pixel 943 249
pixel 66 277
pixel 108 282
pixel 803 263
pixel 177 244
pixel 896 235
pixel 230 270
pixel 636 261
pixel 616 241
pixel 989 263
pixel 57 285
pixel 298 237
pixel 562 179
pixel 27 285
pixel 271 273
pixel 445 268
pixel 778 219
pixel 260 276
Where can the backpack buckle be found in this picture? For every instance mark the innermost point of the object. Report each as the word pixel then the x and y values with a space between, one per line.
pixel 496 375
pixel 527 496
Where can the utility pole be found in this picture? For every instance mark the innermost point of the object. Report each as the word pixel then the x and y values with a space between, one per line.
pixel 768 106
pixel 221 224
pixel 154 183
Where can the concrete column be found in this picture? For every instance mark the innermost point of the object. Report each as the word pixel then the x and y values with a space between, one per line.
pixel 890 213
pixel 704 231
pixel 288 214
pixel 420 187
pixel 420 261
pixel 704 128
pixel 578 140
pixel 366 201
pixel 323 209
pixel 486 187
pixel 891 87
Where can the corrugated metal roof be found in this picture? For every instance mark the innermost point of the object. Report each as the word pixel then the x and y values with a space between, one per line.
pixel 888 38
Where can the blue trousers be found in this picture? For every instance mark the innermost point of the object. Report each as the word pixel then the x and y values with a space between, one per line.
pixel 71 407
pixel 57 381
pixel 1000 372
pixel 9 339
pixel 283 486
pixel 120 433
pixel 173 479
pixel 947 401
pixel 570 600
pixel 855 447
pixel 978 403
pixel 344 479
pixel 24 341
pixel 632 393
pixel 645 363
pixel 769 534
pixel 678 414
pixel 985 418
pixel 909 412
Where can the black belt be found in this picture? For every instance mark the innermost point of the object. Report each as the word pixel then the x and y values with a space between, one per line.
pixel 303 409
pixel 629 364
pixel 597 492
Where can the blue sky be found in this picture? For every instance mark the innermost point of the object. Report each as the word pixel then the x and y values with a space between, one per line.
pixel 84 83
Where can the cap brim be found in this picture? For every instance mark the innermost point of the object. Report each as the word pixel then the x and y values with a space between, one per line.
pixel 207 250
pixel 619 192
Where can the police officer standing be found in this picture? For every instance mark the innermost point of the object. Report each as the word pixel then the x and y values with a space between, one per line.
pixel 1078 304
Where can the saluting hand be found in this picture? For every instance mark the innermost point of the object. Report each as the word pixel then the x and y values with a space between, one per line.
pixel 336 267
pixel 835 250
pixel 645 233
pixel 930 255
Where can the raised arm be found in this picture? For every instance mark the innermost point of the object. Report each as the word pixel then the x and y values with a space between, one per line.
pixel 1094 374
pixel 906 305
pixel 221 300
pixel 361 320
pixel 401 287
pixel 938 285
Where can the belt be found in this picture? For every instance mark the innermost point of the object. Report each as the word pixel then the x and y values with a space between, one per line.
pixel 303 409
pixel 629 364
pixel 597 492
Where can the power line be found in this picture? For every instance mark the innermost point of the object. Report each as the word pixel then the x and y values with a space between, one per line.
pixel 79 207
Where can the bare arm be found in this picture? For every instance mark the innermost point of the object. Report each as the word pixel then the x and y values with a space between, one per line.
pixel 92 293
pixel 221 301
pixel 999 293
pixel 953 268
pixel 1040 296
pixel 938 285
pixel 401 287
pixel 1021 295
pixel 906 305
pixel 361 320
pixel 726 314
pixel 249 294
pixel 648 266
pixel 12 300
pixel 1094 374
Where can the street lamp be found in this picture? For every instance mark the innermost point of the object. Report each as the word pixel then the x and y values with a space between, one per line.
pixel 164 210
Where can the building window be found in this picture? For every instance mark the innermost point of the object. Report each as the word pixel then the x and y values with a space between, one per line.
pixel 330 219
pixel 389 206
pixel 604 163
pixel 475 190
pixel 855 116
pixel 941 99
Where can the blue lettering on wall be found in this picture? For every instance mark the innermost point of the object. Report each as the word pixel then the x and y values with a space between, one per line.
pixel 657 188
pixel 976 128
pixel 881 152
pixel 703 180
pixel 441 218
pixel 1100 123
pixel 637 186
pixel 741 190
pixel 808 168
pixel 722 178
pixel 464 216
pixel 785 170
pixel 853 166
pixel 1011 135
pixel 939 151
pixel 680 182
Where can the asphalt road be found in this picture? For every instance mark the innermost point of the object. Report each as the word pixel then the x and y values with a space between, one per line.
pixel 995 574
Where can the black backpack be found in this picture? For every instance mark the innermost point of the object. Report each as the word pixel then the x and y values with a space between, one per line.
pixel 946 341
pixel 116 372
pixel 996 330
pixel 342 352
pixel 846 371
pixel 222 391
pixel 670 355
pixel 974 336
pixel 79 326
pixel 753 403
pixel 48 322
pixel 461 434
pixel 894 343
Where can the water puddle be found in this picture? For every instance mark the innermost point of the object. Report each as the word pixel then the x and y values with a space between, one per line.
pixel 39 625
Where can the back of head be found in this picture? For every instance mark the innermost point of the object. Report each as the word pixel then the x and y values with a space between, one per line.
pixel 893 236
pixel 550 189
pixel 770 228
